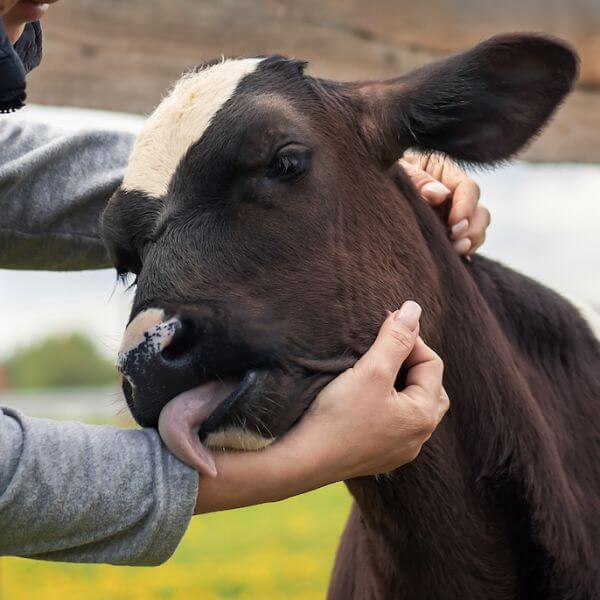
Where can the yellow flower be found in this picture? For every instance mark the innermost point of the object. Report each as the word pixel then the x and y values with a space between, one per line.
pixel 270 552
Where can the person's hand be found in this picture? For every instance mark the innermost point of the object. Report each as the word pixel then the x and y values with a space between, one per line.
pixel 358 425
pixel 442 183
pixel 370 427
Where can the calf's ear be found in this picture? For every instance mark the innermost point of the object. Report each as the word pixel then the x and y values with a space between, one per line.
pixel 478 106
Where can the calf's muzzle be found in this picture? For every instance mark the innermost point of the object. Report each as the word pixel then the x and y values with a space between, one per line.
pixel 166 386
pixel 156 362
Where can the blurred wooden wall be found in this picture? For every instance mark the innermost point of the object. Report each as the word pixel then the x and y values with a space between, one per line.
pixel 123 54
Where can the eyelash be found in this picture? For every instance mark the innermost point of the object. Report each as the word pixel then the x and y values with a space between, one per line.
pixel 124 278
pixel 287 164
pixel 290 163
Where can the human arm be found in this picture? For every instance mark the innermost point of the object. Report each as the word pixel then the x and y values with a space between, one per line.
pixel 54 185
pixel 73 492
pixel 83 493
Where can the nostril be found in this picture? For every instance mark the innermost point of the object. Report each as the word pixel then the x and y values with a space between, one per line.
pixel 182 340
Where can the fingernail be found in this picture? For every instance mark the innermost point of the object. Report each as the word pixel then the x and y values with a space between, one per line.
pixel 460 227
pixel 409 314
pixel 462 246
pixel 436 188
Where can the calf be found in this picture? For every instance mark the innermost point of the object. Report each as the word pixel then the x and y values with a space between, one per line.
pixel 269 228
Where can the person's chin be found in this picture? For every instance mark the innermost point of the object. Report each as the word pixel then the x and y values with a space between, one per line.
pixel 27 11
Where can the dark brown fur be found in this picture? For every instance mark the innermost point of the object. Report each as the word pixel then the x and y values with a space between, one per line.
pixel 293 278
pixel 503 500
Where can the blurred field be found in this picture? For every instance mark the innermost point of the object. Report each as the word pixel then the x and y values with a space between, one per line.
pixel 270 552
pixel 279 551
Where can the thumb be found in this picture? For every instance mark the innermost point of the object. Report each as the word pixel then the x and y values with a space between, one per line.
pixel 393 345
pixel 430 188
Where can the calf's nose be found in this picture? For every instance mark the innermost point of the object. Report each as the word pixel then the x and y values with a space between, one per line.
pixel 149 325
pixel 155 361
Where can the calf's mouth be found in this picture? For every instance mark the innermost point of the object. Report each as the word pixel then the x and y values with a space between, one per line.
pixel 194 418
pixel 201 379
pixel 216 383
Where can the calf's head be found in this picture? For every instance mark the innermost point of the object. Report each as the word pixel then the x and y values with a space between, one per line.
pixel 266 235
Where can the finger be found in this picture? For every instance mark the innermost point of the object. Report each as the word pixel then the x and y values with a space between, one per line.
pixel 463 246
pixel 443 169
pixel 478 228
pixel 434 192
pixel 433 164
pixel 393 345
pixel 418 160
pixel 425 372
pixel 464 202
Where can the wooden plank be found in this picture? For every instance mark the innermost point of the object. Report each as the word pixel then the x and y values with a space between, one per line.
pixel 123 55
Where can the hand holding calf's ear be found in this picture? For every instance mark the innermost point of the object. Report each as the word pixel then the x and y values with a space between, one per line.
pixel 444 185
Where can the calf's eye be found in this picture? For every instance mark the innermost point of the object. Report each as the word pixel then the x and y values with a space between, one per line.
pixel 290 163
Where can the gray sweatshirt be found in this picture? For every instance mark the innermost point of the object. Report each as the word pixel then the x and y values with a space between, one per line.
pixel 68 491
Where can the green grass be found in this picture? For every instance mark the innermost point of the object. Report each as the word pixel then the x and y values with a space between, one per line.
pixel 270 552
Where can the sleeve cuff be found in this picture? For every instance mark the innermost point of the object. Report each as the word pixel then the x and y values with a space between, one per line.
pixel 179 491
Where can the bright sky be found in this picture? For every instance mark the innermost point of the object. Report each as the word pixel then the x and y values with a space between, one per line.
pixel 546 223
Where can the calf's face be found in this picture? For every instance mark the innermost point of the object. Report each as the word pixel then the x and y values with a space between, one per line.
pixel 266 235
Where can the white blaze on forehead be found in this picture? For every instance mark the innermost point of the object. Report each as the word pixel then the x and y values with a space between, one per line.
pixel 179 121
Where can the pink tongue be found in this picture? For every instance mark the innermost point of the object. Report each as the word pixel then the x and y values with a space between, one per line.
pixel 181 419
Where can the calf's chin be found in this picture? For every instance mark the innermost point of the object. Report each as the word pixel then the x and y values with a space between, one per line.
pixel 237 438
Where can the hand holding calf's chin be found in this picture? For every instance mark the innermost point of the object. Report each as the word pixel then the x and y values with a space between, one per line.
pixel 359 424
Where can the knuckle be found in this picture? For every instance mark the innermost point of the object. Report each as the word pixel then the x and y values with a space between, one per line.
pixel 438 364
pixel 429 424
pixel 414 452
pixel 425 423
pixel 488 216
pixel 403 338
pixel 443 407
pixel 445 400
pixel 379 371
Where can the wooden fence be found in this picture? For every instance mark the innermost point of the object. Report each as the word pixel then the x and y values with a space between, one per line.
pixel 123 55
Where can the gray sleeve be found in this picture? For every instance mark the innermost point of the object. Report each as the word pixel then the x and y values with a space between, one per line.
pixel 83 493
pixel 54 185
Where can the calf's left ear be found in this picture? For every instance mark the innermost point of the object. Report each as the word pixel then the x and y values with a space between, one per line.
pixel 478 106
